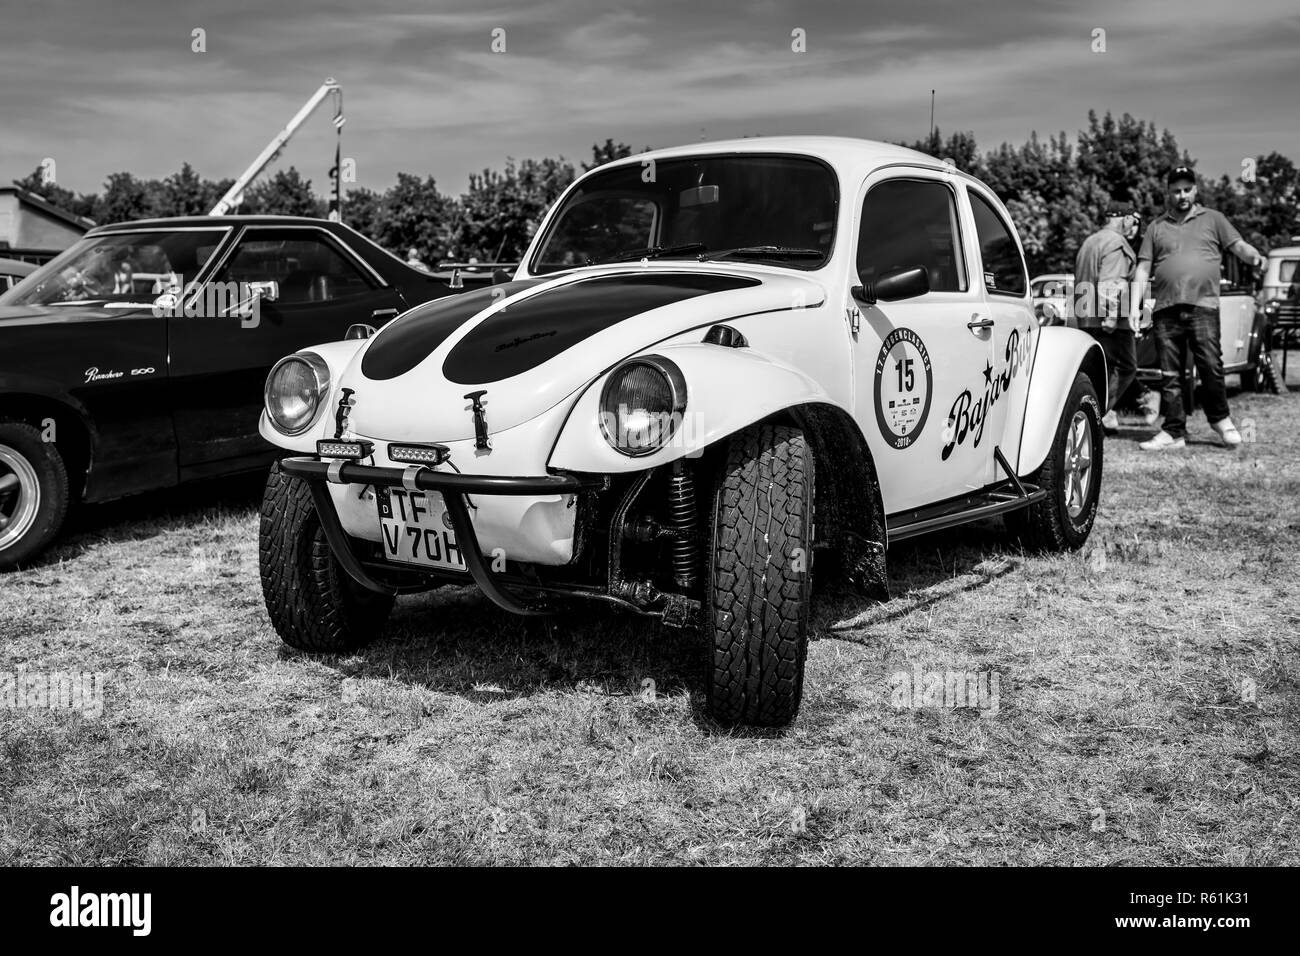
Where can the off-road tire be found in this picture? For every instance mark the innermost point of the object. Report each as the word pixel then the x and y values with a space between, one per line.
pixel 43 457
pixel 760 577
pixel 1047 525
pixel 314 604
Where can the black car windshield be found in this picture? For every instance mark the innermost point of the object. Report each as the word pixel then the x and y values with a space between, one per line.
pixel 776 209
pixel 119 270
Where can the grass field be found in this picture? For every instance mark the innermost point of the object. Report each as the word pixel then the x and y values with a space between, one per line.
pixel 1147 712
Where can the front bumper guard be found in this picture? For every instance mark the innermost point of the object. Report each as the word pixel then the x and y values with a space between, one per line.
pixel 452 486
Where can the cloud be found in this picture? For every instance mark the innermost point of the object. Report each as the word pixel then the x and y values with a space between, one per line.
pixel 106 88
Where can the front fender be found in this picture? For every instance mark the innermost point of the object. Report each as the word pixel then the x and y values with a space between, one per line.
pixel 1061 354
pixel 338 356
pixel 726 390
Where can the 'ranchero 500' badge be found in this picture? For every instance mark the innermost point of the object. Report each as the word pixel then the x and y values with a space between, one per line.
pixel 904 384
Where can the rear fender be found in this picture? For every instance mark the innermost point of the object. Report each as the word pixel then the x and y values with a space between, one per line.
pixel 1062 353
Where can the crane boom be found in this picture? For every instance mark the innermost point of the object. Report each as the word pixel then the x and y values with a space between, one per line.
pixel 235 194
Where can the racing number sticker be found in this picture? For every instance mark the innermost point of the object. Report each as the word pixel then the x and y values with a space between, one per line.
pixel 904 384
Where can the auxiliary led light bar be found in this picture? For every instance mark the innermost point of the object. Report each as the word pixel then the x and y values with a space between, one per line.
pixel 431 455
pixel 352 450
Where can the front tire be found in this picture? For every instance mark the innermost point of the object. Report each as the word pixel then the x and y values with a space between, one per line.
pixel 760 577
pixel 34 494
pixel 1062 520
pixel 313 603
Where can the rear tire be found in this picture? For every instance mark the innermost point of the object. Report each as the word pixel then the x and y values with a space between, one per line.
pixel 33 493
pixel 760 577
pixel 313 603
pixel 1063 519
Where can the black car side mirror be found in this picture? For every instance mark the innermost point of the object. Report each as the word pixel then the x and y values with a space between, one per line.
pixel 905 282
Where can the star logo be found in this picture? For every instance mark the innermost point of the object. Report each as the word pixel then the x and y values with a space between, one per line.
pixel 988 372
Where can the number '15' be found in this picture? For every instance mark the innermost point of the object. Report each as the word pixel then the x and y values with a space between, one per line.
pixel 905 373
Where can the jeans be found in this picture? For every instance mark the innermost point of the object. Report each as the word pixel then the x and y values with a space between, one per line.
pixel 1120 349
pixel 1186 326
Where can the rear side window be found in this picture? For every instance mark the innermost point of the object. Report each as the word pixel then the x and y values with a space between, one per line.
pixel 1004 268
pixel 911 222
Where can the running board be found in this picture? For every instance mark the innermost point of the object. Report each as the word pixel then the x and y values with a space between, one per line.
pixel 986 504
pixel 955 511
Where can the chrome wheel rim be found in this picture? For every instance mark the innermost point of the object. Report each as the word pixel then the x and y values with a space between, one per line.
pixel 1078 463
pixel 20 497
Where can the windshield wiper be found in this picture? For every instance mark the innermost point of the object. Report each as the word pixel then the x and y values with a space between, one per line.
pixel 653 252
pixel 768 252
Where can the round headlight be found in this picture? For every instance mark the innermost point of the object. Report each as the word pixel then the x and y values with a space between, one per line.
pixel 642 404
pixel 295 390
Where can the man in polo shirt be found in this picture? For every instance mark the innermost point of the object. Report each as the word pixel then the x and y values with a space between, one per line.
pixel 1103 270
pixel 1184 246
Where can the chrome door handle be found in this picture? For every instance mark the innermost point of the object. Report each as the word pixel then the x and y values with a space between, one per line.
pixel 976 323
pixel 378 312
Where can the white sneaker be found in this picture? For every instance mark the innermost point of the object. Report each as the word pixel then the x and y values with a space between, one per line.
pixel 1110 421
pixel 1163 441
pixel 1228 432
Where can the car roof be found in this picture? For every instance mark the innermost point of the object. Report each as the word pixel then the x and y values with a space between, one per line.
pixel 1285 251
pixel 191 222
pixel 844 153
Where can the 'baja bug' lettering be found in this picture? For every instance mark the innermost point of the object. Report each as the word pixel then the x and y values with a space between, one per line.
pixel 968 414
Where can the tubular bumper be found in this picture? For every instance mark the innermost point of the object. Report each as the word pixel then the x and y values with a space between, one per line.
pixel 452 486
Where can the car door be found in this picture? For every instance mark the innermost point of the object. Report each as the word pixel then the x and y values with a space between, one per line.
pixel 1003 282
pixel 918 359
pixel 1236 312
pixel 281 289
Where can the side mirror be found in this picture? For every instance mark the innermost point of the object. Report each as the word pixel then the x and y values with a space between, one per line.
pixel 358 330
pixel 905 282
pixel 268 290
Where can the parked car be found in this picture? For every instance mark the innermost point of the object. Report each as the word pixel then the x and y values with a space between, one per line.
pixel 717 368
pixel 136 359
pixel 1051 297
pixel 12 271
pixel 1281 273
pixel 1245 338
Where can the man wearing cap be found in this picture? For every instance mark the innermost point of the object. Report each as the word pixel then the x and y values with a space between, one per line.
pixel 1184 247
pixel 1103 270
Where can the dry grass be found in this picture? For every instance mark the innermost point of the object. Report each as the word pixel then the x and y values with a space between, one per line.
pixel 1122 736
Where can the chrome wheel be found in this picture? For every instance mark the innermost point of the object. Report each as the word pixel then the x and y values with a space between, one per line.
pixel 20 497
pixel 1078 463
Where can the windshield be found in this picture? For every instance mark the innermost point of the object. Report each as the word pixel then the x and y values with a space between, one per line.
pixel 121 270
pixel 779 209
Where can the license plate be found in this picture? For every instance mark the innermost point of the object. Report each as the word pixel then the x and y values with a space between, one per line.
pixel 417 529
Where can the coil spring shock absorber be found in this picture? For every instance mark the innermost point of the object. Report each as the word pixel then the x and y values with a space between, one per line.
pixel 681 510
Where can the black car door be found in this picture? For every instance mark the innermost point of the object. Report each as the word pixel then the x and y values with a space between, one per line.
pixel 281 289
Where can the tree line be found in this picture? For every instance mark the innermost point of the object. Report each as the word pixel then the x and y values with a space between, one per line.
pixel 1056 191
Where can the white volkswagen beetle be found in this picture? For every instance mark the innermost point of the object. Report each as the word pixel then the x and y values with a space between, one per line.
pixel 715 363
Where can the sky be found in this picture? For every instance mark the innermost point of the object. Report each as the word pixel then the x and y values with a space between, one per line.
pixel 102 87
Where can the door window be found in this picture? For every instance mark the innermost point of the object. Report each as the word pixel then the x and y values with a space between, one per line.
pixel 306 267
pixel 911 222
pixel 1004 267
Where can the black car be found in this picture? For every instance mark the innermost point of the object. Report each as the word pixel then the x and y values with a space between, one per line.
pixel 13 271
pixel 136 359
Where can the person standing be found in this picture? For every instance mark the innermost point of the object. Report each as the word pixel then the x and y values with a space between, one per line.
pixel 413 259
pixel 1181 254
pixel 1103 271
